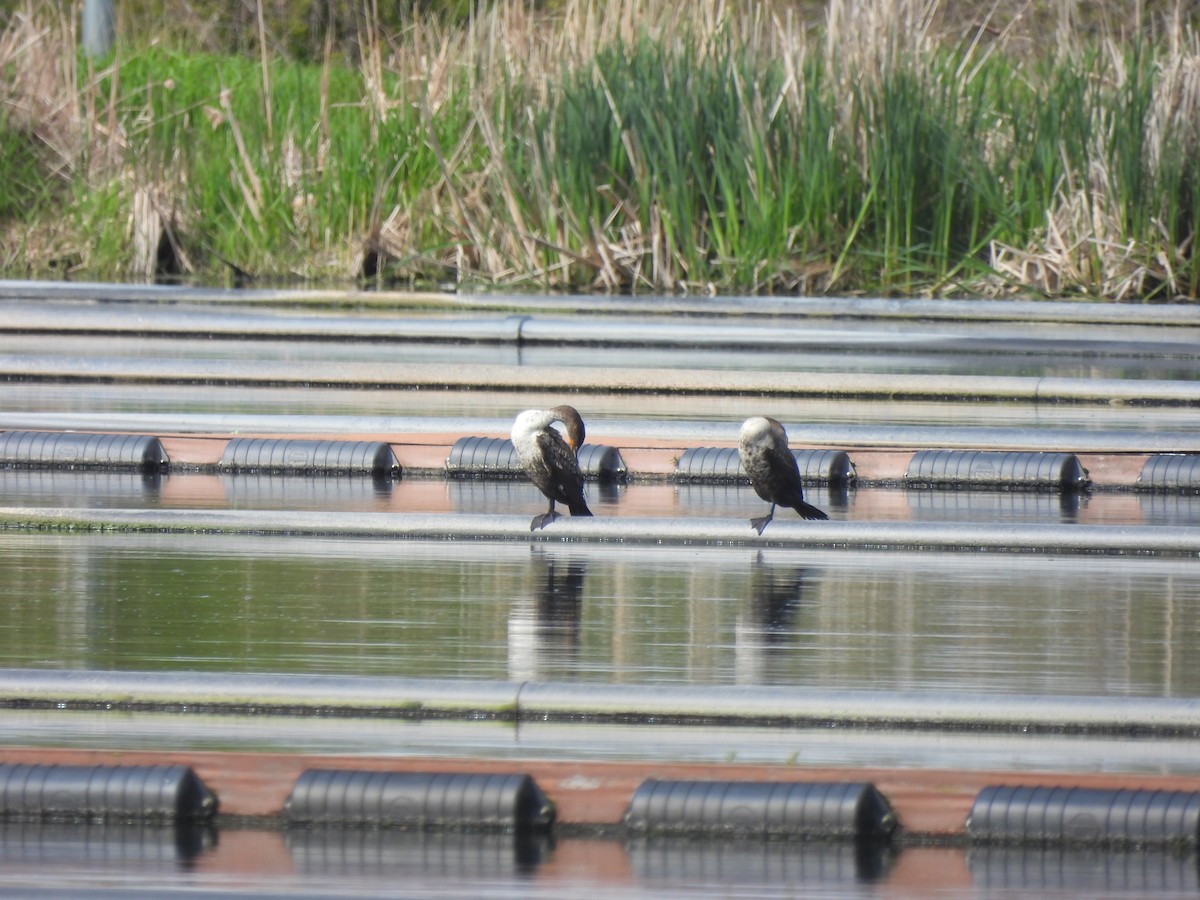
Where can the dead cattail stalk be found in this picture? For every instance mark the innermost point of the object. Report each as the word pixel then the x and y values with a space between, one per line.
pixel 248 180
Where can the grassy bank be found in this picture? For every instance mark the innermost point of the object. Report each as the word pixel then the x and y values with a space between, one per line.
pixel 622 146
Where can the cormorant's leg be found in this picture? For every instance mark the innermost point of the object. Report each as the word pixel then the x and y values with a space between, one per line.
pixel 544 519
pixel 760 524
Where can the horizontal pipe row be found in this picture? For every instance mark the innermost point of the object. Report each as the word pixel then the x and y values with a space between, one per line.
pixel 1175 315
pixel 714 332
pixel 493 457
pixel 524 379
pixel 713 706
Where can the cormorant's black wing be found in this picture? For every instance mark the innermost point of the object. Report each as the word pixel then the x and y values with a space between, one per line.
pixel 558 474
pixel 787 475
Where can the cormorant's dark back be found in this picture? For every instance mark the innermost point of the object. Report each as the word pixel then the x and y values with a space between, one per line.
pixel 772 468
pixel 550 460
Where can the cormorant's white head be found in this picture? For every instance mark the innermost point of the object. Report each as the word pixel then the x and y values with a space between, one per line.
pixel 762 431
pixel 528 422
pixel 755 429
pixel 532 421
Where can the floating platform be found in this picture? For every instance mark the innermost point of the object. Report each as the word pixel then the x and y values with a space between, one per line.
pixel 909 804
pixel 1020 459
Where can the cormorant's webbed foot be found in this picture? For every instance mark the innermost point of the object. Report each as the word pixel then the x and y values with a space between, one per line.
pixel 543 520
pixel 759 524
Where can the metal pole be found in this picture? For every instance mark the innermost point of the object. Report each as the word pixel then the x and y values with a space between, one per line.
pixel 98 27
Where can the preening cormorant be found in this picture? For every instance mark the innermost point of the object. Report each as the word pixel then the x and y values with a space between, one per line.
pixel 773 472
pixel 550 460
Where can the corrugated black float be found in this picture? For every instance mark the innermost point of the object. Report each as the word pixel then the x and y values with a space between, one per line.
pixel 766 809
pixel 53 450
pixel 110 793
pixel 304 456
pixel 1061 815
pixel 484 457
pixel 418 799
pixel 718 464
pixel 996 468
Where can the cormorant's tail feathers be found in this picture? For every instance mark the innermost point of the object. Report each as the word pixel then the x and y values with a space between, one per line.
pixel 808 511
pixel 580 509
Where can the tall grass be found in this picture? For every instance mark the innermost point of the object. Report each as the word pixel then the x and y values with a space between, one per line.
pixel 623 146
pixel 665 160
pixel 275 194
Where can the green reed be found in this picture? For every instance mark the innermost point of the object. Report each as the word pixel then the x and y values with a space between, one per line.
pixel 276 195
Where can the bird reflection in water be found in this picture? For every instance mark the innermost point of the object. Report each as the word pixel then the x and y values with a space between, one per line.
pixel 766 618
pixel 543 631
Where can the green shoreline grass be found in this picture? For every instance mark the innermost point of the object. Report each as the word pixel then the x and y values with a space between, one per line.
pixel 626 146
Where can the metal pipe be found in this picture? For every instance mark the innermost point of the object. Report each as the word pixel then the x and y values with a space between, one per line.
pixel 1025 537
pixel 711 705
pixel 711 332
pixel 524 379
pixel 842 308
pixel 98 27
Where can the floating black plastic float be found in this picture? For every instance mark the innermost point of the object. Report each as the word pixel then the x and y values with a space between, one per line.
pixel 1062 815
pixel 418 799
pixel 484 457
pixel 1170 472
pixel 763 809
pixel 288 455
pixel 109 793
pixel 53 449
pixel 724 464
pixel 996 468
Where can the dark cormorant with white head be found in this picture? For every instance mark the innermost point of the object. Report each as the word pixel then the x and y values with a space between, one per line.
pixel 550 460
pixel 772 468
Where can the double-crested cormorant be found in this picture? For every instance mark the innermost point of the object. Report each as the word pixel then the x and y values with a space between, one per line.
pixel 550 460
pixel 773 472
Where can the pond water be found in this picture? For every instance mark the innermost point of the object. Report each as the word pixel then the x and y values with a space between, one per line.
pixel 989 624
pixel 81 861
pixel 895 621
pixel 134 490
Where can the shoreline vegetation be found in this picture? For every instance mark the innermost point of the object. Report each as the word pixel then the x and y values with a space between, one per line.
pixel 635 146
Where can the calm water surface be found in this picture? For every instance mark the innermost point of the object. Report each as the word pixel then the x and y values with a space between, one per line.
pixel 134 490
pixel 634 615
pixel 77 860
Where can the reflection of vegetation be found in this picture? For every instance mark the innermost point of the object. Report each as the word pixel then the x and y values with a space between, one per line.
pixel 862 621
pixel 189 611
pixel 628 145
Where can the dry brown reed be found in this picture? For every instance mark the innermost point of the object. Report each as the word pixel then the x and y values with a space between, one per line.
pixel 40 93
